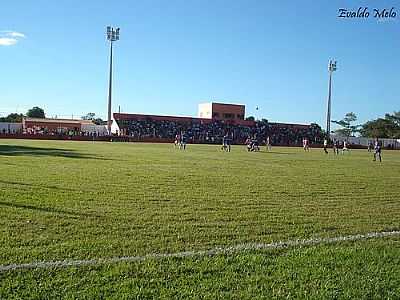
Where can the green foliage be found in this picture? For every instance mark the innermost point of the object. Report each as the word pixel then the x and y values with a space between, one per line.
pixel 346 123
pixel 12 118
pixel 250 118
pixel 89 116
pixel 316 127
pixel 83 200
pixel 99 121
pixel 388 127
pixel 92 117
pixel 36 112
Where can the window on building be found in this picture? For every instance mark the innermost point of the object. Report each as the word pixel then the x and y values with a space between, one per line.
pixel 229 116
pixel 216 115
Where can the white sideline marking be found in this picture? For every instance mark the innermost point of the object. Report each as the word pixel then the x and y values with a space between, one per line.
pixel 215 251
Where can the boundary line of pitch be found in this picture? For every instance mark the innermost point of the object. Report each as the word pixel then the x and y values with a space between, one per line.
pixel 211 252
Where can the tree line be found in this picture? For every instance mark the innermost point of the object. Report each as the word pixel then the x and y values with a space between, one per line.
pixel 34 112
pixel 384 127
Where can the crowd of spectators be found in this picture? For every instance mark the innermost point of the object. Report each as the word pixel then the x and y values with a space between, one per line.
pixel 198 131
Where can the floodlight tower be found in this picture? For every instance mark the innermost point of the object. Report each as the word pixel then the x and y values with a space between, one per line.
pixel 331 69
pixel 112 36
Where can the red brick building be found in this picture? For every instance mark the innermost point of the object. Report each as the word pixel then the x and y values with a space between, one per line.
pixel 221 111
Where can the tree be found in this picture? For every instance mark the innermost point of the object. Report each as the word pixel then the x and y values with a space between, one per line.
pixel 346 123
pixel 395 118
pixel 99 121
pixel 12 118
pixel 36 112
pixel 92 117
pixel 89 116
pixel 388 127
pixel 316 127
pixel 250 118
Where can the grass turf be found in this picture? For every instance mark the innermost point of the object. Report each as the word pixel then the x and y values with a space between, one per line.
pixel 80 200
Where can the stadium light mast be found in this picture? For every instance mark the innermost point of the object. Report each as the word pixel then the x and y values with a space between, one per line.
pixel 331 68
pixel 112 36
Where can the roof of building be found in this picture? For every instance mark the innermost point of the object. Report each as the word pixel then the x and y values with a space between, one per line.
pixel 124 116
pixel 59 121
pixel 219 103
pixel 290 125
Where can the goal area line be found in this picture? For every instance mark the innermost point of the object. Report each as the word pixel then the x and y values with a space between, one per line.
pixel 211 252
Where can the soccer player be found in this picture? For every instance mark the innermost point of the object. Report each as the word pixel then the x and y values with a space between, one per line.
pixel 305 144
pixel 182 145
pixel 370 146
pixel 228 141
pixel 248 144
pixel 336 147
pixel 378 150
pixel 325 146
pixel 345 147
pixel 268 144
pixel 225 143
pixel 254 144
pixel 177 140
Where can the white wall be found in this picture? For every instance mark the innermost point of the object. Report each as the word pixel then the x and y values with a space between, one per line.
pixel 205 111
pixel 93 128
pixel 115 128
pixel 364 141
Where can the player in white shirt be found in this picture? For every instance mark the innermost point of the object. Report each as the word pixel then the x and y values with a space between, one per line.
pixel 177 140
pixel 305 145
pixel 345 147
pixel 325 146
pixel 268 144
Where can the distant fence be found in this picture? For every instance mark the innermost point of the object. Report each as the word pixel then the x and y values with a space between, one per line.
pixel 363 142
pixel 10 128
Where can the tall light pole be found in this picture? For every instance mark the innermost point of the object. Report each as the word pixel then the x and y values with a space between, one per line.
pixel 112 36
pixel 331 69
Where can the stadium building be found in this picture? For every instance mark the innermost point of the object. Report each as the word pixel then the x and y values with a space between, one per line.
pixel 214 121
pixel 232 114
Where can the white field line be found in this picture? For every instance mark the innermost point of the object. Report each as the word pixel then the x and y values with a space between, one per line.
pixel 215 251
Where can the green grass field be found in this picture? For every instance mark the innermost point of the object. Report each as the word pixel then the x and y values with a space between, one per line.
pixel 63 200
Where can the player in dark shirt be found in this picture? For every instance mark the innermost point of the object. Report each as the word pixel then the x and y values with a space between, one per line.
pixel 182 145
pixel 370 146
pixel 378 150
pixel 227 143
pixel 336 147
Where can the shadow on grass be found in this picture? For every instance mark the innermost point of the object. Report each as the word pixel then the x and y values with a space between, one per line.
pixel 14 150
pixel 47 209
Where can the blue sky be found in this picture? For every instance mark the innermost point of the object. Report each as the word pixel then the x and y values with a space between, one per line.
pixel 175 54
